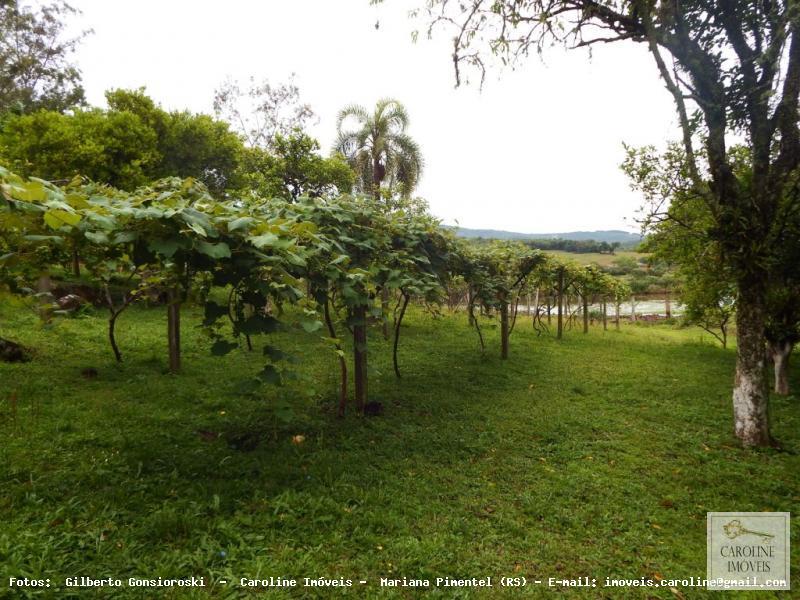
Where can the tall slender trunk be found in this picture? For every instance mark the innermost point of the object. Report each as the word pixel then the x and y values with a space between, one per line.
pixel 342 361
pixel 503 329
pixel 616 315
pixel 376 178
pixel 112 322
pixel 780 352
pixel 750 391
pixel 360 355
pixel 474 322
pixel 605 316
pixel 398 323
pixel 45 286
pixel 385 311
pixel 585 313
pixel 667 304
pixel 76 262
pixel 470 300
pixel 560 291
pixel 174 330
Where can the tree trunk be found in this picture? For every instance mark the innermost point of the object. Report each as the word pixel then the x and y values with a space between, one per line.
pixel 76 263
pixel 385 311
pixel 605 316
pixel 503 329
pixel 560 291
pixel 470 299
pixel 667 305
pixel 585 313
pixel 750 391
pixel 616 315
pixel 360 355
pixel 398 323
pixel 174 330
pixel 45 286
pixel 112 322
pixel 780 352
pixel 342 361
pixel 377 177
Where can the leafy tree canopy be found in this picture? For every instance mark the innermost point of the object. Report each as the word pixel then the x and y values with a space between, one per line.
pixel 130 144
pixel 35 67
pixel 292 167
pixel 378 148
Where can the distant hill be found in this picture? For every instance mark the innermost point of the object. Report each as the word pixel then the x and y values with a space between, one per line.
pixel 609 235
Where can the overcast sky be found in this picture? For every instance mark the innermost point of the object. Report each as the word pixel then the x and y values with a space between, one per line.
pixel 538 150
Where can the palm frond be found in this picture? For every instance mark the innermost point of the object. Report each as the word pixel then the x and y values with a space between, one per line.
pixel 380 138
pixel 393 114
pixel 346 143
pixel 356 111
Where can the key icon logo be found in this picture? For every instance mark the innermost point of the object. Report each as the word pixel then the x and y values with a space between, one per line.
pixel 734 529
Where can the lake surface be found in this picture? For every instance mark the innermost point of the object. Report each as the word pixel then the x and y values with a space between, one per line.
pixel 643 307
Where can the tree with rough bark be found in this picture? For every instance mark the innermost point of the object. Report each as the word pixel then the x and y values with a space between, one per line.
pixel 731 67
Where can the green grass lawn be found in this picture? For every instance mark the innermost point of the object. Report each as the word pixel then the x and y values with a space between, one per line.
pixel 590 258
pixel 596 456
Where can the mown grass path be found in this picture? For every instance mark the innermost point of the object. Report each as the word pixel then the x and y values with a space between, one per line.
pixel 597 456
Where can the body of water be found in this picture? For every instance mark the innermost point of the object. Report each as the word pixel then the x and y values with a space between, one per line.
pixel 643 307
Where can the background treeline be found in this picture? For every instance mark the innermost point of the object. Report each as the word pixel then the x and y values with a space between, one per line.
pixel 135 141
pixel 577 246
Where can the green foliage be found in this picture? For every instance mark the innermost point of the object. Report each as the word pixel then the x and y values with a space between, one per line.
pixel 498 271
pixel 35 68
pixel 173 237
pixel 292 167
pixel 686 234
pixel 127 146
pixel 196 145
pixel 378 148
pixel 112 147
pixel 576 246
pixel 188 145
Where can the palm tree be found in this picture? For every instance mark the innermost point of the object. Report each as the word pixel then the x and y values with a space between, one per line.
pixel 378 149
